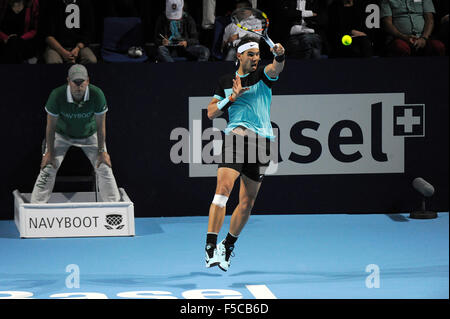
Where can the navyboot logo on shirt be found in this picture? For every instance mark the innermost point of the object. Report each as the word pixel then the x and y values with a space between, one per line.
pixel 77 115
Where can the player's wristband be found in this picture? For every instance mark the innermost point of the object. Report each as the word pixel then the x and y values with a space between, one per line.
pixel 280 58
pixel 225 103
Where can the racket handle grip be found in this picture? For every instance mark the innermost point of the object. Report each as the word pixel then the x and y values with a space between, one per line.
pixel 271 44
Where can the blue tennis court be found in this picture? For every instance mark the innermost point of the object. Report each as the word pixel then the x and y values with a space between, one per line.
pixel 346 256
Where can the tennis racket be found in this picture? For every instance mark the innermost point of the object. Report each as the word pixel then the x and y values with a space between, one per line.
pixel 254 21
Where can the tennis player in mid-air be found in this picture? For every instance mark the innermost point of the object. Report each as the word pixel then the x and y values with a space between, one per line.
pixel 246 95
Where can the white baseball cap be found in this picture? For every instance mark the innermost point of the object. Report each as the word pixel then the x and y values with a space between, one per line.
pixel 174 9
pixel 78 72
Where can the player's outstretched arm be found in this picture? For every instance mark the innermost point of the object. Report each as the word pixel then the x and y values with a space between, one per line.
pixel 274 69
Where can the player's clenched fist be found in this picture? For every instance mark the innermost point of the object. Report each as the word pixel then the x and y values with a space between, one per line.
pixel 278 49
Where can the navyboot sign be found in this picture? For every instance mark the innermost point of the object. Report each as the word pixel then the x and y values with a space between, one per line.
pixel 73 217
pixel 315 134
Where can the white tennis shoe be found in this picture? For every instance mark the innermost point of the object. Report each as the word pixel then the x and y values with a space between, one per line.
pixel 225 253
pixel 212 256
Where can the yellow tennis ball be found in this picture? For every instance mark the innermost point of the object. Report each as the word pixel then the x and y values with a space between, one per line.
pixel 346 40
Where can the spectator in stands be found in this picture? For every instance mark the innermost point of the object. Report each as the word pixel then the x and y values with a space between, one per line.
pixel 176 35
pixel 409 25
pixel 232 35
pixel 347 17
pixel 18 29
pixel 213 9
pixel 69 30
pixel 442 20
pixel 305 23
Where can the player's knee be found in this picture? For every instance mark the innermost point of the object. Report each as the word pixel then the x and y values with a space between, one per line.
pixel 224 189
pixel 246 204
pixel 220 200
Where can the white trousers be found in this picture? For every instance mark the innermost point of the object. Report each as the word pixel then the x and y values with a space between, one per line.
pixel 209 14
pixel 45 182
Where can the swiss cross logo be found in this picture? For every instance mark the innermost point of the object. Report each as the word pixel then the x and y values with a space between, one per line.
pixel 409 120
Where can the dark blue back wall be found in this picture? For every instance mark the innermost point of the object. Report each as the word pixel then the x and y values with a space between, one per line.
pixel 147 101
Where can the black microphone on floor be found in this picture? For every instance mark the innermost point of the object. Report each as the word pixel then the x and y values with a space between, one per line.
pixel 423 187
pixel 426 190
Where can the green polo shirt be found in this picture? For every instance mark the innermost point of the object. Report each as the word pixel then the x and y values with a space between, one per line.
pixel 76 120
pixel 407 15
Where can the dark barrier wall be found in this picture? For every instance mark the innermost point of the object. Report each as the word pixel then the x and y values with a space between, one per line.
pixel 148 101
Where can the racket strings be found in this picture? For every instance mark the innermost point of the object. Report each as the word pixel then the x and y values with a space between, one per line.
pixel 250 20
pixel 253 21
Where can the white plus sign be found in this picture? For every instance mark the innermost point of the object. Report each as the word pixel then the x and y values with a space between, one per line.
pixel 408 120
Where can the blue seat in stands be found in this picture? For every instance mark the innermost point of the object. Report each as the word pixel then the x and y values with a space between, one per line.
pixel 118 36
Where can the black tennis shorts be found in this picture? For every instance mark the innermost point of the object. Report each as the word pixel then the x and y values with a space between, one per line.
pixel 249 155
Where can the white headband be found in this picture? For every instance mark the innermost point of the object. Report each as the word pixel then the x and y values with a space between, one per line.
pixel 249 45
